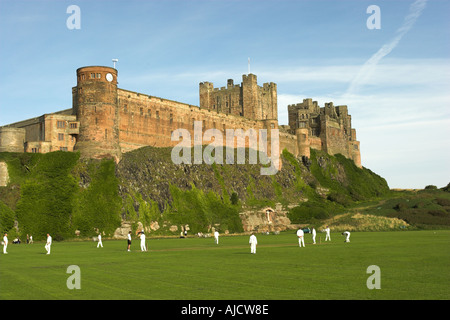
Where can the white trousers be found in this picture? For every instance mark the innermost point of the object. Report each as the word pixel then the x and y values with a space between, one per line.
pixel 47 247
pixel 347 239
pixel 327 237
pixel 4 248
pixel 143 248
pixel 301 241
pixel 216 240
pixel 314 239
pixel 253 248
pixel 99 244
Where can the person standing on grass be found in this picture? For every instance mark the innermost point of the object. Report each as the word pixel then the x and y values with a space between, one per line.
pixel 100 243
pixel 129 240
pixel 5 243
pixel 216 237
pixel 143 246
pixel 347 236
pixel 313 232
pixel 48 244
pixel 327 234
pixel 253 242
pixel 301 236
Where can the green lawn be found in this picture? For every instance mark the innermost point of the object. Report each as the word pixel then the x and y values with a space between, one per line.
pixel 413 265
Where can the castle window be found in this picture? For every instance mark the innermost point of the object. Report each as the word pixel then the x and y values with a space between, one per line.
pixel 61 124
pixel 83 76
pixel 106 134
pixel 60 136
pixel 34 150
pixel 92 75
pixel 99 75
pixel 125 108
pixel 171 118
pixel 149 113
pixel 73 126
pixel 63 148
pixel 141 110
pixel 157 115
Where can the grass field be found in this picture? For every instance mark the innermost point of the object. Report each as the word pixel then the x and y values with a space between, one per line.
pixel 413 265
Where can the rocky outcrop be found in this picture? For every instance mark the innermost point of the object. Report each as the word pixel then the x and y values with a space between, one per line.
pixel 267 219
pixel 4 177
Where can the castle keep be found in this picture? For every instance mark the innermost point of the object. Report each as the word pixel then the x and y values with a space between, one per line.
pixel 107 121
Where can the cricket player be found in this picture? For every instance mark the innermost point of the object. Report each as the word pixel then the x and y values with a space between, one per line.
pixel 300 235
pixel 253 242
pixel 327 234
pixel 5 243
pixel 142 237
pixel 129 240
pixel 99 244
pixel 313 232
pixel 216 237
pixel 48 244
pixel 347 236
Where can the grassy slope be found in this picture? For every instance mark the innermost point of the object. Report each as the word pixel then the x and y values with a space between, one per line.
pixel 414 265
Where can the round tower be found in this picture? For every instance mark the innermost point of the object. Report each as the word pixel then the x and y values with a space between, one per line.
pixel 95 105
pixel 303 143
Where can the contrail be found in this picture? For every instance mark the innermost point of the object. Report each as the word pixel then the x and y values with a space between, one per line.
pixel 367 69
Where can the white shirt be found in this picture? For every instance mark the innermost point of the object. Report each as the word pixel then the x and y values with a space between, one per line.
pixel 5 240
pixel 99 237
pixel 327 230
pixel 300 233
pixel 216 234
pixel 129 237
pixel 253 239
pixel 313 232
pixel 142 237
pixel 49 240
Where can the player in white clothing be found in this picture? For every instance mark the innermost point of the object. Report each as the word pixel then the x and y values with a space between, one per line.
pixel 100 243
pixel 216 237
pixel 313 232
pixel 142 237
pixel 5 243
pixel 48 244
pixel 327 235
pixel 253 242
pixel 301 236
pixel 347 236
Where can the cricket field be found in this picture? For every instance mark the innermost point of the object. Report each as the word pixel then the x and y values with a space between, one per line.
pixel 373 266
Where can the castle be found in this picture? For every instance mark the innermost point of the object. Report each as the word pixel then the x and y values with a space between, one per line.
pixel 106 121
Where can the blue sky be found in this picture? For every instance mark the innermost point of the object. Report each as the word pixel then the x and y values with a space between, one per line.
pixel 395 80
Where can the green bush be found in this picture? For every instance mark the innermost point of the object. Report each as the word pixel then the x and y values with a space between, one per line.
pixel 46 200
pixel 98 207
pixel 6 218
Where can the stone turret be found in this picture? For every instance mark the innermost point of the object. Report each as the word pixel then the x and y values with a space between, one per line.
pixel 95 105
